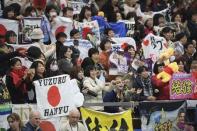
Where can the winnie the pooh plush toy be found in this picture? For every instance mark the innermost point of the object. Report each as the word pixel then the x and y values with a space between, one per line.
pixel 166 54
pixel 167 72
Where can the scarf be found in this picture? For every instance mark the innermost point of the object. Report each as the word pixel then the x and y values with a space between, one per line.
pixel 147 86
pixel 17 75
pixel 181 125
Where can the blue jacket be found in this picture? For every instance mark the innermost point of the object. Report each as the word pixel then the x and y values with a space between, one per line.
pixel 111 97
pixel 29 127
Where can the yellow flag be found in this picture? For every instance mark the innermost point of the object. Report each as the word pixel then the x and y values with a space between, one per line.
pixel 101 121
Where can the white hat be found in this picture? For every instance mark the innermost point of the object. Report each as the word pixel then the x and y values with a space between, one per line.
pixel 146 17
pixel 37 33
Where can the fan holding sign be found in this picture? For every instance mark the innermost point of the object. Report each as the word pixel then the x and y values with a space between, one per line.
pixel 61 95
pixel 152 46
pixel 118 61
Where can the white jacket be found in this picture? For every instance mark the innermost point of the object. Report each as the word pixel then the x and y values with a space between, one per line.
pixel 67 127
pixel 96 86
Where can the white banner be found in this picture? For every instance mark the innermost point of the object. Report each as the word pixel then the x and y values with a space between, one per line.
pixel 26 46
pixel 23 110
pixel 29 24
pixel 84 46
pixel 89 31
pixel 153 45
pixel 56 96
pixel 61 24
pixel 6 25
pixel 130 25
pixel 77 6
pixel 53 124
pixel 122 40
pixel 9 2
pixel 118 62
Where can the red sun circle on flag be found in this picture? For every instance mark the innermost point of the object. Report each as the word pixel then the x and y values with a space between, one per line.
pixel 46 125
pixel 146 42
pixel 53 96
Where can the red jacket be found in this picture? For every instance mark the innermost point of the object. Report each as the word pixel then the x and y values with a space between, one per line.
pixel 164 91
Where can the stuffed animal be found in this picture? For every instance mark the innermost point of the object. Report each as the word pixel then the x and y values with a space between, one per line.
pixel 166 54
pixel 101 13
pixel 167 72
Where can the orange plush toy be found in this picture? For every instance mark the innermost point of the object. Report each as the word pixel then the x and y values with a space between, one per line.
pixel 167 72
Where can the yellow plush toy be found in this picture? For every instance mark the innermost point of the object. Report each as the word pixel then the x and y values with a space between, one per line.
pixel 101 13
pixel 166 54
pixel 167 72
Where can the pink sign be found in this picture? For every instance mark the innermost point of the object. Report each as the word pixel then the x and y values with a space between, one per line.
pixel 182 86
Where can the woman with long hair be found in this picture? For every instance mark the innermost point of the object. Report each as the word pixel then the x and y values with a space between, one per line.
pixel 85 14
pixel 15 81
pixel 52 68
pixel 15 122
pixel 65 62
pixel 92 86
pixel 39 68
pixel 10 37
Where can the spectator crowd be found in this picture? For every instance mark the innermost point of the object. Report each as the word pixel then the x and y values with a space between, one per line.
pixel 174 20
